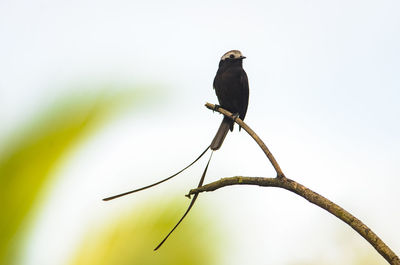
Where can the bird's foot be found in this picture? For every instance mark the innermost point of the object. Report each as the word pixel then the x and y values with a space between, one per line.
pixel 216 107
pixel 235 116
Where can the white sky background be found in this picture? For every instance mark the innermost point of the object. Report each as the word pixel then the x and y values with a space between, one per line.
pixel 324 96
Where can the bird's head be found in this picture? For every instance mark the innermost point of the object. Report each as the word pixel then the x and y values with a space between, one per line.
pixel 231 59
pixel 232 55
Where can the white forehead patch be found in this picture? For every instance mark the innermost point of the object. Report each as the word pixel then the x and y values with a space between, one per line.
pixel 234 54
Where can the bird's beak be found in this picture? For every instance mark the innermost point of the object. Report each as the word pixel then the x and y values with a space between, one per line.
pixel 242 57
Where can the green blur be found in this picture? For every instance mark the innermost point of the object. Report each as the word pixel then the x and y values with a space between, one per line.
pixel 32 154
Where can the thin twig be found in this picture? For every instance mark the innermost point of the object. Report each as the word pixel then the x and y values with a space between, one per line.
pixel 252 134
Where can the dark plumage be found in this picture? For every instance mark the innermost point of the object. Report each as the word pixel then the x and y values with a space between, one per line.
pixel 232 89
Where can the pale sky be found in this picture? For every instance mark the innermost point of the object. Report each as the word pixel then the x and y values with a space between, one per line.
pixel 324 92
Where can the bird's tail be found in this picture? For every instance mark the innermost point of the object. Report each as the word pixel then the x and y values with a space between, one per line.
pixel 190 205
pixel 159 182
pixel 219 138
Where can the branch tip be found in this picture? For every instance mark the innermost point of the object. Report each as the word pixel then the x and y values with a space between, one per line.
pixel 243 125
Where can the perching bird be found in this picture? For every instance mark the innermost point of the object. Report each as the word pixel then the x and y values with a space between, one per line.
pixel 232 89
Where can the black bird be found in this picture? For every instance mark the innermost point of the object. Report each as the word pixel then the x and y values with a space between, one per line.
pixel 232 88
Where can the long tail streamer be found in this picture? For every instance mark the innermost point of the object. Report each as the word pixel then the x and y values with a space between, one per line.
pixel 190 205
pixel 159 182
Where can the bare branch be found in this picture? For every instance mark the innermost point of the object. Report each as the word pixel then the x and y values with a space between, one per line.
pixel 252 134
pixel 312 197
pixel 282 182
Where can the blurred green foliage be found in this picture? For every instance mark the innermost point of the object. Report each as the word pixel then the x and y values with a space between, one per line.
pixel 129 238
pixel 30 156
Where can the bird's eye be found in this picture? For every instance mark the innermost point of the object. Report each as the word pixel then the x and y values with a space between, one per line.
pixel 231 56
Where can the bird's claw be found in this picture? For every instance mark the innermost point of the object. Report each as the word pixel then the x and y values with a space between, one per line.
pixel 216 107
pixel 235 116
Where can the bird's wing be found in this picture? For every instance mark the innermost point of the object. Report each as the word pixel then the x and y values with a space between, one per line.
pixel 245 94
